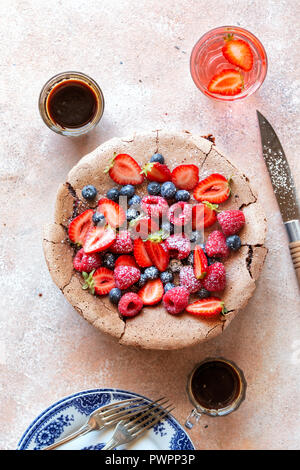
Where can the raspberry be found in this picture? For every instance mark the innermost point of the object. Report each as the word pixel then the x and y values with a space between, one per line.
pixel 231 221
pixel 86 263
pixel 175 300
pixel 126 276
pixel 130 305
pixel 180 213
pixel 216 245
pixel 154 206
pixel 188 280
pixel 178 246
pixel 215 279
pixel 122 243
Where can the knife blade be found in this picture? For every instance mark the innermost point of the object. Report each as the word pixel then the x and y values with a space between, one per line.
pixel 283 186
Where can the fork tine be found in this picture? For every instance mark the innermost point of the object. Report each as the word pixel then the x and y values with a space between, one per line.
pixel 145 414
pixel 152 422
pixel 114 405
pixel 117 410
pixel 127 413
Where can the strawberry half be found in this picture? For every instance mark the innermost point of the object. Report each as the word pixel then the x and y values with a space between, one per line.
pixel 200 263
pixel 185 176
pixel 140 253
pixel 126 260
pixel 99 282
pixel 204 215
pixel 98 239
pixel 158 254
pixel 80 226
pixel 208 307
pixel 214 189
pixel 152 292
pixel 112 211
pixel 229 82
pixel 142 226
pixel 123 169
pixel 155 171
pixel 238 52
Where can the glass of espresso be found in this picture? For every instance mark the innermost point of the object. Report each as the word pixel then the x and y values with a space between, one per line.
pixel 216 387
pixel 71 103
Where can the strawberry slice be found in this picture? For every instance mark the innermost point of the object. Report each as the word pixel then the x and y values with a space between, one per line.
pixel 215 189
pixel 238 52
pixel 185 176
pixel 158 254
pixel 80 226
pixel 155 171
pixel 204 215
pixel 208 307
pixel 140 253
pixel 126 260
pixel 152 292
pixel 229 82
pixel 112 211
pixel 98 239
pixel 123 169
pixel 142 226
pixel 200 263
pixel 99 282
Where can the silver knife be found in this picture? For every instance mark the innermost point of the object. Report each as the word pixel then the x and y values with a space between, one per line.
pixel 283 186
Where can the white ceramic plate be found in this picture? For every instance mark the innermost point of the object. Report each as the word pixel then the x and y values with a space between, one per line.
pixel 68 414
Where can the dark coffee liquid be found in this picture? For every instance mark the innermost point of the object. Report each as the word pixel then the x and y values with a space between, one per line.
pixel 72 104
pixel 215 385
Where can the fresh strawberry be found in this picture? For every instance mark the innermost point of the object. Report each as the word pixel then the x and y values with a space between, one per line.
pixel 215 279
pixel 229 82
pixel 130 305
pixel 126 276
pixel 154 206
pixel 140 253
pixel 126 260
pixel 178 245
pixel 216 245
pixel 122 243
pixel 142 226
pixel 123 169
pixel 188 280
pixel 99 282
pixel 185 176
pixel 98 239
pixel 200 263
pixel 158 254
pixel 214 189
pixel 203 215
pixel 180 213
pixel 231 221
pixel 86 262
pixel 152 292
pixel 155 171
pixel 175 300
pixel 238 52
pixel 208 307
pixel 112 211
pixel 80 226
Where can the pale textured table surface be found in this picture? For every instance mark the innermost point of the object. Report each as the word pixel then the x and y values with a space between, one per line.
pixel 138 51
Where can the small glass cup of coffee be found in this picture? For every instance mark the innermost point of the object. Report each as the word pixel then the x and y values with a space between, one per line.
pixel 71 103
pixel 216 387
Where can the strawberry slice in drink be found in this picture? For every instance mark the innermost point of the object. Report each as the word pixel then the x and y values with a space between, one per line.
pixel 229 82
pixel 238 52
pixel 98 239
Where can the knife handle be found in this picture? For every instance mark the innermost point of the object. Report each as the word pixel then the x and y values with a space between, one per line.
pixel 293 231
pixel 295 253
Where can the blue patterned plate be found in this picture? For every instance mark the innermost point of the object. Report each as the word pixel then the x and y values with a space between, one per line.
pixel 68 414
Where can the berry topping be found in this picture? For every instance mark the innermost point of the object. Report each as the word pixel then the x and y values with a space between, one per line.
pixel 123 169
pixel 158 254
pixel 99 219
pixel 200 263
pixel 216 245
pixel 215 188
pixel 238 52
pixel 153 188
pixel 231 221
pixel 178 245
pixel 122 243
pixel 151 273
pixel 99 239
pixel 152 292
pixel 113 212
pixel 89 192
pixel 154 206
pixel 233 242
pixel 175 300
pixel 166 277
pixel 215 279
pixel 140 253
pixel 204 215
pixel 203 293
pixel 142 280
pixel 206 307
pixel 168 286
pixel 188 280
pixel 180 213
pixel 132 214
pixel 168 190
pixel 109 260
pixel 113 194
pixel 127 190
pixel 142 226
pixel 87 263
pixel 126 276
pixel 80 226
pixel 134 201
pixel 185 176
pixel 115 295
pixel 99 282
pixel 155 171
pixel 157 157
pixel 130 305
pixel 228 82
pixel 126 260
pixel 182 195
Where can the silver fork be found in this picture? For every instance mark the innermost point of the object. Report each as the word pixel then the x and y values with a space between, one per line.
pixel 127 431
pixel 107 416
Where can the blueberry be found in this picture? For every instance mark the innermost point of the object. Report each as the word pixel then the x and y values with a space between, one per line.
pixel 109 260
pixel 135 200
pixel 190 258
pixel 166 276
pixel 153 188
pixel 99 219
pixel 197 238
pixel 89 192
pixel 168 227
pixel 203 293
pixel 151 273
pixel 168 190
pixel 142 280
pixel 115 295
pixel 168 286
pixel 182 195
pixel 157 157
pixel 131 214
pixel 233 242
pixel 127 190
pixel 113 194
